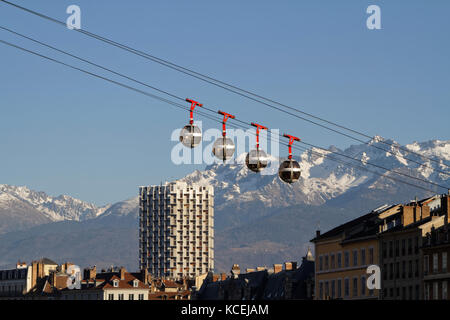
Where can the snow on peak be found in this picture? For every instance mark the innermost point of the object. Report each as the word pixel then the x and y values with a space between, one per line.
pixel 58 208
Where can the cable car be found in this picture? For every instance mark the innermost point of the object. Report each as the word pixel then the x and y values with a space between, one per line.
pixel 256 160
pixel 191 135
pixel 223 148
pixel 289 170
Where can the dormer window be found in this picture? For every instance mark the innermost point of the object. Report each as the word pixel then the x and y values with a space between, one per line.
pixel 135 283
pixel 115 283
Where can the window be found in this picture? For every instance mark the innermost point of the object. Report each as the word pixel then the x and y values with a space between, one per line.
pixel 403 247
pixel 355 287
pixel 327 293
pixel 391 271
pixel 333 289
pixel 435 262
pixel 131 297
pixel 333 262
pixel 425 264
pixel 435 290
pixel 326 262
pixel 410 293
pixel 120 296
pixel 397 248
pixel 391 249
pixel 416 272
pixel 339 288
pixel 403 269
pixel 444 261
pixel 135 283
pixel 371 255
pixel 427 292
pixel 444 290
pixel 115 283
pixel 320 263
pixel 397 270
pixel 339 260
pixel 416 245
pixel 363 257
pixel 410 269
pixel 417 292
pixel 363 285
pixel 355 258
pixel 346 287
pixel 384 249
pixel 409 246
pixel 385 272
pixel 111 296
pixel 321 290
pixel 141 296
pixel 346 259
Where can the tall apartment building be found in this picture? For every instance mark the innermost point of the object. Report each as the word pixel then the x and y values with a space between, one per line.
pixel 176 235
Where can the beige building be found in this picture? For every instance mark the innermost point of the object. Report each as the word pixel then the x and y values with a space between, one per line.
pixel 176 235
pixel 342 257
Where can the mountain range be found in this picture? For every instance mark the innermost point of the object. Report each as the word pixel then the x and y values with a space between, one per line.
pixel 259 220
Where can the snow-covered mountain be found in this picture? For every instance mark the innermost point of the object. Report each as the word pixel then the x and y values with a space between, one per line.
pixel 23 207
pixel 259 219
pixel 323 178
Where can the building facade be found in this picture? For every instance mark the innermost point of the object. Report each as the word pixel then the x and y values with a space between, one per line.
pixel 391 237
pixel 401 235
pixel 342 257
pixel 436 253
pixel 176 235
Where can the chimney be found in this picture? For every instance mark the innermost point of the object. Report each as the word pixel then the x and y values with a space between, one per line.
pixel 317 233
pixel 122 273
pixel 294 265
pixel 223 276
pixel 260 268
pixel 249 270
pixel 445 204
pixel 144 276
pixel 425 212
pixel 288 266
pixel 408 215
pixel 277 268
pixel 235 271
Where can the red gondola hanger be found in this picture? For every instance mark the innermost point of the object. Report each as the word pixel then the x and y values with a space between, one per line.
pixel 223 148
pixel 258 127
pixel 289 170
pixel 256 160
pixel 193 105
pixel 191 135
pixel 291 141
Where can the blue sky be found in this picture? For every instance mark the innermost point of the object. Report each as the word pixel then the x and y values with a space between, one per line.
pixel 66 133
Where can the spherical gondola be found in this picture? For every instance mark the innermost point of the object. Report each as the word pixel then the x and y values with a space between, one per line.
pixel 191 135
pixel 256 160
pixel 289 170
pixel 223 148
